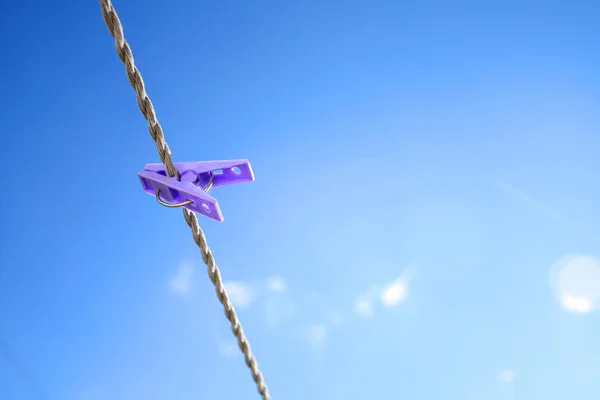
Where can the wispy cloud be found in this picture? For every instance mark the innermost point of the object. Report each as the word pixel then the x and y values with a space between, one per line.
pixel 574 279
pixel 507 376
pixel 544 209
pixel 363 305
pixel 317 334
pixel 240 293
pixel 181 282
pixel 276 284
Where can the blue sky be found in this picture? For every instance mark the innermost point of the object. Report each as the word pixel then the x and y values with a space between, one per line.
pixel 424 222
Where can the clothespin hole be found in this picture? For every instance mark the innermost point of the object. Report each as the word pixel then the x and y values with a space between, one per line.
pixel 206 208
pixel 218 172
pixel 236 170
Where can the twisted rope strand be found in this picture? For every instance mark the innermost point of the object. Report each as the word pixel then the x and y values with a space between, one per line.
pixel 137 83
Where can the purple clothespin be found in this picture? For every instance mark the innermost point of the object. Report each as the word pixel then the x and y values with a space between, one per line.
pixel 196 179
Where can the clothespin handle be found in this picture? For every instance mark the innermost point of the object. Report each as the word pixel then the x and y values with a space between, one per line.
pixel 196 179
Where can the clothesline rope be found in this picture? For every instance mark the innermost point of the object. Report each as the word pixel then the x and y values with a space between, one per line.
pixel 137 83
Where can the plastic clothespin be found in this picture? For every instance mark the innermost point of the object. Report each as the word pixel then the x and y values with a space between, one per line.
pixel 196 179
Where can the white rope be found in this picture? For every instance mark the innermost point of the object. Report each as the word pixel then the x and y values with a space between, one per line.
pixel 135 79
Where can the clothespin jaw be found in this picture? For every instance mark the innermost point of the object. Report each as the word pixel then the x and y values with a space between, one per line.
pixel 196 179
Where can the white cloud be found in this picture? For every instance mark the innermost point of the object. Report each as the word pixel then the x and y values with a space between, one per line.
pixel 363 305
pixel 240 294
pixel 394 293
pixel 229 349
pixel 575 281
pixel 317 334
pixel 576 304
pixel 276 284
pixel 181 282
pixel 390 295
pixel 507 376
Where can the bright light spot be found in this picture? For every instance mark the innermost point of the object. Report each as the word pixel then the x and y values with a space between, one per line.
pixel 276 284
pixel 507 376
pixel 390 295
pixel 239 293
pixel 363 306
pixel 575 280
pixel 576 304
pixel 181 282
pixel 394 293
